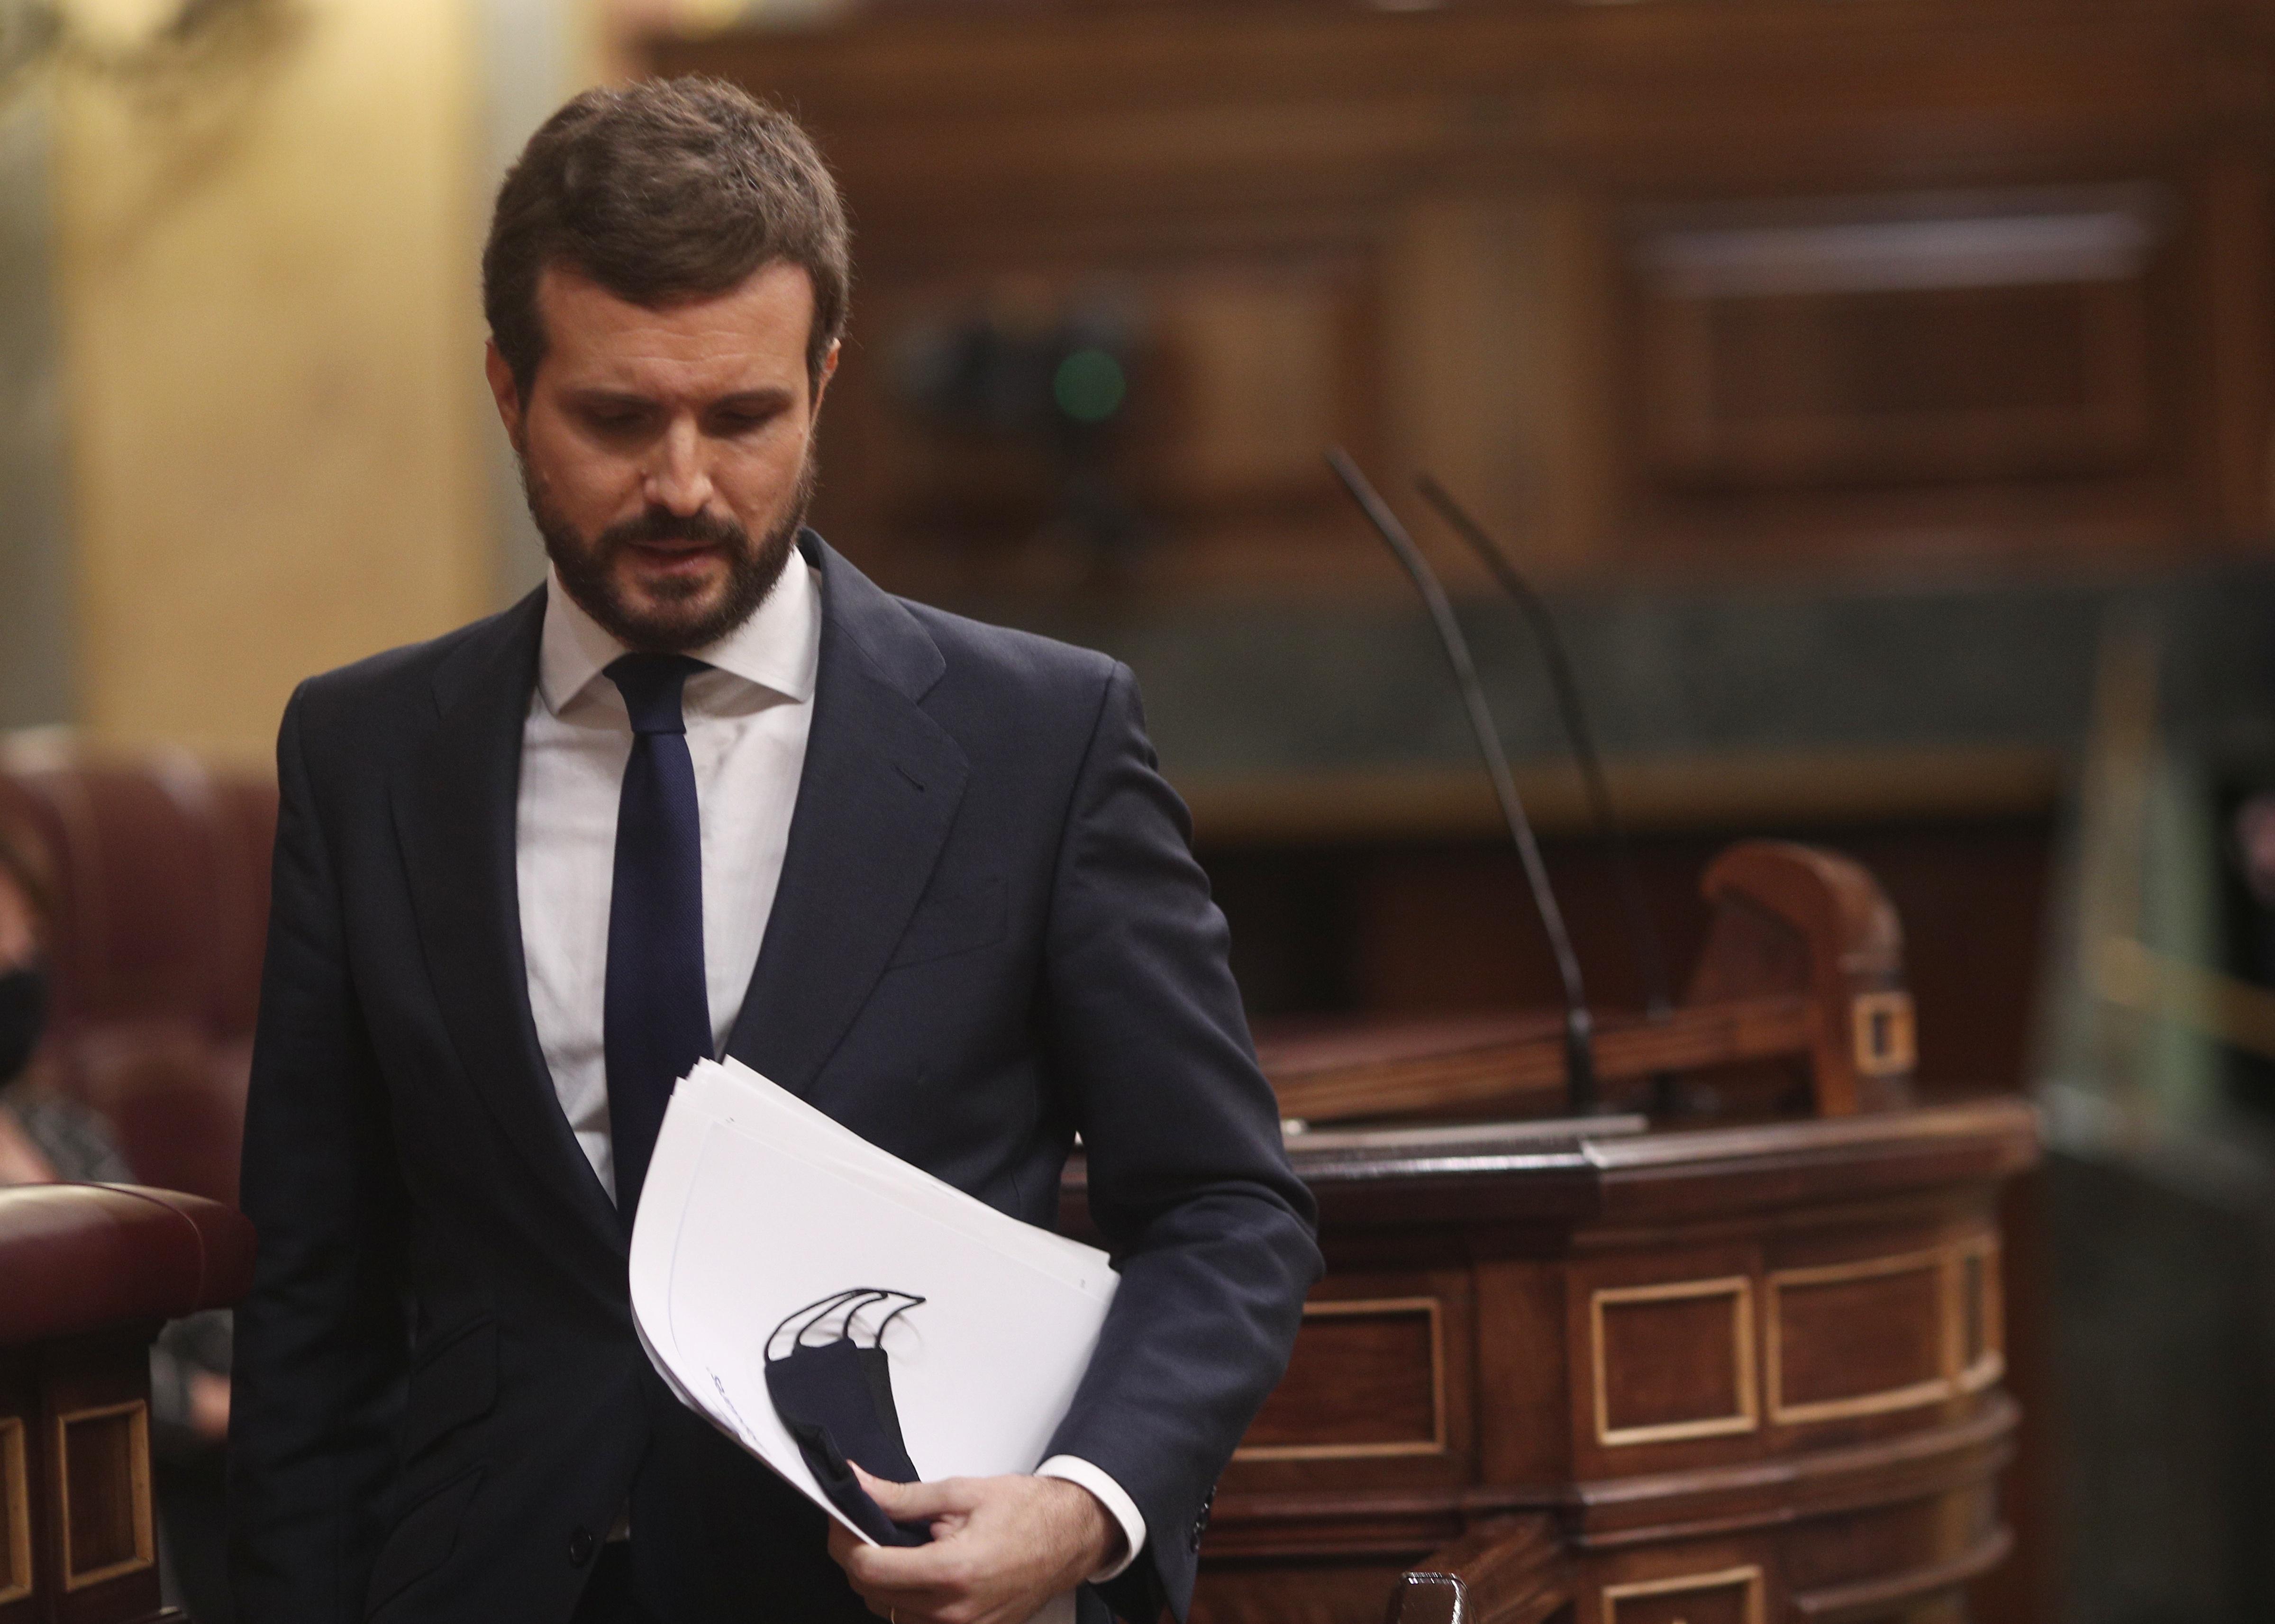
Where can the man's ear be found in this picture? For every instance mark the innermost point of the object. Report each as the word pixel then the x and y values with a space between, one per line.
pixel 503 390
pixel 829 371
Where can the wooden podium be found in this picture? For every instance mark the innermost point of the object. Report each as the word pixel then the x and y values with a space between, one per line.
pixel 1629 1371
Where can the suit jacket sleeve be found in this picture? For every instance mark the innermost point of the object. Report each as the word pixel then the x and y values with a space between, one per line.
pixel 1211 1232
pixel 321 1341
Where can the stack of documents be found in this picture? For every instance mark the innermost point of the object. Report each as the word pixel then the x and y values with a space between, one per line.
pixel 756 1205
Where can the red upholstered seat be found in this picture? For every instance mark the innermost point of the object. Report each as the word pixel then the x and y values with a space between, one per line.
pixel 162 880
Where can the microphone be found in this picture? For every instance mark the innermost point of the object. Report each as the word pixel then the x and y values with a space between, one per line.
pixel 1651 963
pixel 1579 1026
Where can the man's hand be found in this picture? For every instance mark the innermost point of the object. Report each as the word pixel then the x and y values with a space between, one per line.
pixel 210 1406
pixel 1001 1548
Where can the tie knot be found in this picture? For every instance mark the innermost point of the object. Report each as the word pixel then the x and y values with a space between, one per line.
pixel 651 685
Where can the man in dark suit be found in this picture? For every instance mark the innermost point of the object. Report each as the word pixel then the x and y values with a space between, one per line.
pixel 710 789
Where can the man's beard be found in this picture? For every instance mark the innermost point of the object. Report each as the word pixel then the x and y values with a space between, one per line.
pixel 675 624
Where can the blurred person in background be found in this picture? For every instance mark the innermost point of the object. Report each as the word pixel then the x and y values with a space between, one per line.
pixel 47 1138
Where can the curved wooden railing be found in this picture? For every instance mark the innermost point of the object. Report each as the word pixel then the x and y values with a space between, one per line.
pixel 88 1274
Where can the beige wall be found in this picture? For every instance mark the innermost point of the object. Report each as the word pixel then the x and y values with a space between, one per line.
pixel 271 337
pixel 35 610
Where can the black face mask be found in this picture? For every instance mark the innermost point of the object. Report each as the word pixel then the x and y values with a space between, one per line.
pixel 836 1397
pixel 23 1013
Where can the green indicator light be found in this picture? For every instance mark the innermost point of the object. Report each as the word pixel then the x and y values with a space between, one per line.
pixel 1089 386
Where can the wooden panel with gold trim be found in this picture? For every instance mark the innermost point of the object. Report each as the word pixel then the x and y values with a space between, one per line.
pixel 1978 1321
pixel 1935 1332
pixel 1367 1380
pixel 15 1513
pixel 102 1462
pixel 1729 1595
pixel 1857 1339
pixel 1672 1360
pixel 1884 1034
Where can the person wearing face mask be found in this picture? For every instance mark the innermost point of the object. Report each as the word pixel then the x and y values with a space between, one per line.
pixel 47 1138
pixel 23 1006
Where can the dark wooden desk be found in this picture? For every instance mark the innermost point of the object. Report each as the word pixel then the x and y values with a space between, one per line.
pixel 1670 1372
pixel 1725 1376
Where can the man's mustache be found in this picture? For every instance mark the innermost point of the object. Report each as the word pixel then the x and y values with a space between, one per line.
pixel 662 525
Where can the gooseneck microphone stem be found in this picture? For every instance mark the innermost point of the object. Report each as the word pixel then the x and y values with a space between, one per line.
pixel 1651 962
pixel 1579 1028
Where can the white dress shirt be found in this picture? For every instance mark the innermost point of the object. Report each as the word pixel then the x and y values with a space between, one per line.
pixel 747 722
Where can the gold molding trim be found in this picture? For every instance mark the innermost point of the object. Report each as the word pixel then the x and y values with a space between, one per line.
pixel 1739 1289
pixel 146 1545
pixel 1986 1371
pixel 1723 1579
pixel 1355 1308
pixel 1910 1396
pixel 16 1501
pixel 1900 1053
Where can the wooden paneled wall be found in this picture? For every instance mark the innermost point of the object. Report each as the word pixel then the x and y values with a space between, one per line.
pixel 1661 287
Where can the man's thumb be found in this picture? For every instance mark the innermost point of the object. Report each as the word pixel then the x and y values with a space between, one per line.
pixel 904 1502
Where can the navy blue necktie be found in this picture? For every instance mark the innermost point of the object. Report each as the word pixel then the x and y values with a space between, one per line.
pixel 656 1016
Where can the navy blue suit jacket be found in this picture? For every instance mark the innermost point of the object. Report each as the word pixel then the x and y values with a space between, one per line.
pixel 990 935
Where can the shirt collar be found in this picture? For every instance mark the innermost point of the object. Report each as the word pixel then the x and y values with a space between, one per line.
pixel 777 648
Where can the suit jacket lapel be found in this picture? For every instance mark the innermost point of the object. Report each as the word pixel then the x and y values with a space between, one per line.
pixel 455 816
pixel 881 784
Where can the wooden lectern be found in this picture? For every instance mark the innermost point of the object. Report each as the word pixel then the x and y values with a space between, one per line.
pixel 1628 1370
pixel 90 1272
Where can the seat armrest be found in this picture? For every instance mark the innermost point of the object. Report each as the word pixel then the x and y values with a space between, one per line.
pixel 81 1258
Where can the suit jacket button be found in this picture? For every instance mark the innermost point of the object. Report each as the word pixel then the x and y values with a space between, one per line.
pixel 581 1544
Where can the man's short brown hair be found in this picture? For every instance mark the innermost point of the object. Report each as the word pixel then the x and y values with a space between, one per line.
pixel 663 192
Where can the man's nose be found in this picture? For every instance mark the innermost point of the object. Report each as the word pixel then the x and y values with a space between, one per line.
pixel 679 473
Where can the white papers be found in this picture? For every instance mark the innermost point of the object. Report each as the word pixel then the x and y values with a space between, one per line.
pixel 757 1204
